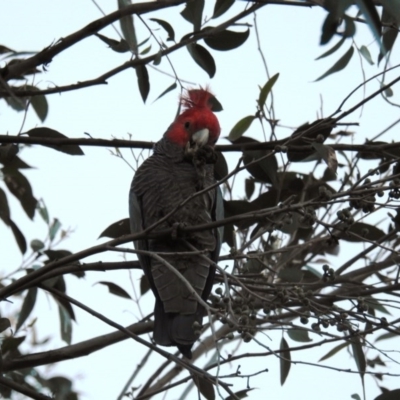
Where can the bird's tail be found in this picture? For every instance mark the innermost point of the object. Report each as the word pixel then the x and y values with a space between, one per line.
pixel 172 329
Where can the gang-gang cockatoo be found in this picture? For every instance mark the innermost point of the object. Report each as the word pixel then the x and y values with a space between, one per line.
pixel 181 165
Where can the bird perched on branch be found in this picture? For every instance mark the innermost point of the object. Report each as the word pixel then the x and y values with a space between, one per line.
pixel 182 165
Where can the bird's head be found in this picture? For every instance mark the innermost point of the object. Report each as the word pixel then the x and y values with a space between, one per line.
pixel 197 126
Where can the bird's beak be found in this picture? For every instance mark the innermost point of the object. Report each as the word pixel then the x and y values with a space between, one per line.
pixel 200 138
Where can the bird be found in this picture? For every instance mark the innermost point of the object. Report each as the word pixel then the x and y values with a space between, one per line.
pixel 182 164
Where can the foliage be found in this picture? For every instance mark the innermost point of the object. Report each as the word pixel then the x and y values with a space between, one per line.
pixel 304 197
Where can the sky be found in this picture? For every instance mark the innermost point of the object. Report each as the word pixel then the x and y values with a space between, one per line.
pixel 89 193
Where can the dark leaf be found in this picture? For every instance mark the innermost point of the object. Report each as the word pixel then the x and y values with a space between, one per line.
pixel 27 307
pixel 355 396
pixel 20 187
pixel 9 158
pixel 5 49
pixel 333 49
pixel 202 57
pixel 157 58
pixel 168 89
pixel 388 335
pixel 334 351
pixel 367 7
pixel 226 40
pixel 4 208
pixel 293 275
pixel 127 26
pixel 222 6
pixel 249 187
pixel 193 13
pixel 328 154
pixel 17 103
pixel 339 65
pixel 143 81
pixel 119 46
pixel 215 104
pixel 65 324
pixel 363 231
pixel 241 394
pixel 229 235
pixel 265 170
pixel 329 27
pixel 117 229
pixel 284 360
pixel 359 355
pixel 144 285
pixel 4 324
pixel 39 103
pixel 71 149
pixel 389 33
pixel 11 343
pixel 167 27
pixel 54 255
pixel 266 90
pixel 115 289
pixel 391 395
pixel 376 305
pixel 220 167
pixel 206 388
pixel 299 335
pixel 18 235
pixel 241 127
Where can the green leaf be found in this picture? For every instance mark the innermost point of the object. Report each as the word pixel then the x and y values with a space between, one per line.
pixel 366 54
pixel 264 92
pixel 145 51
pixel 37 245
pixel 226 40
pixel 117 229
pixel 299 335
pixel 202 57
pixel 359 355
pixel 241 127
pixel 284 360
pixel 221 7
pixel 71 149
pixel 193 13
pixel 333 49
pixel 388 335
pixel 355 396
pixel 43 212
pixel 167 90
pixel 27 307
pixel 65 324
pixel 119 46
pixel 115 289
pixel 390 395
pixel 20 187
pixel 127 27
pixel 54 228
pixel 391 22
pixel 157 58
pixel 167 27
pixel 4 324
pixel 143 81
pixel 376 305
pixel 334 351
pixel 339 65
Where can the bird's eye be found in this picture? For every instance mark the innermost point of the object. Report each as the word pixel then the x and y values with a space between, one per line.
pixel 187 124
